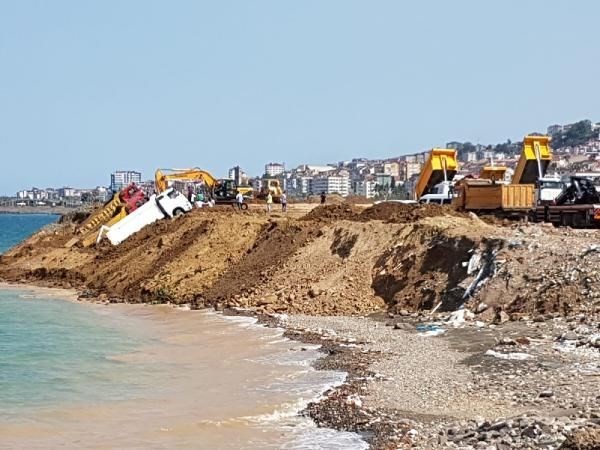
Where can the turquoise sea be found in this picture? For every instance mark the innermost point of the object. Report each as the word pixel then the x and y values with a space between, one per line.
pixel 51 350
pixel 77 375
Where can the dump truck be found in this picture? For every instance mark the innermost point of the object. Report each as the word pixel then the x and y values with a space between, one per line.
pixel 168 204
pixel 434 183
pixel 123 203
pixel 578 206
pixel 532 168
pixel 487 195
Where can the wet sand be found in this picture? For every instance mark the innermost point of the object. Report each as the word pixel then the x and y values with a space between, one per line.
pixel 202 381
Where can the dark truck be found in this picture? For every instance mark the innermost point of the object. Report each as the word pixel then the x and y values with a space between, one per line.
pixel 577 206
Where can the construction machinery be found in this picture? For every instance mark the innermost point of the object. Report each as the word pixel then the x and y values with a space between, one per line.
pixel 273 186
pixel 168 204
pixel 485 194
pixel 534 161
pixel 532 167
pixel 578 205
pixel 493 173
pixel 223 190
pixel 123 203
pixel 434 183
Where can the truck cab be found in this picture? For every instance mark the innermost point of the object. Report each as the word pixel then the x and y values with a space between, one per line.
pixel 442 194
pixel 547 189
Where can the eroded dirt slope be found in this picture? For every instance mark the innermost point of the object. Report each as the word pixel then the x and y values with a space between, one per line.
pixel 338 259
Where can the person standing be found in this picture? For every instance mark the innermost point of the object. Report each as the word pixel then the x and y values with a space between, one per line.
pixel 283 200
pixel 190 193
pixel 269 201
pixel 239 200
pixel 323 198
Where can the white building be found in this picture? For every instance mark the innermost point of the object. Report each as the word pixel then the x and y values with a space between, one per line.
pixel 331 185
pixel 301 185
pixel 392 168
pixel 412 168
pixel 236 173
pixel 122 178
pixel 365 188
pixel 274 169
pixel 66 192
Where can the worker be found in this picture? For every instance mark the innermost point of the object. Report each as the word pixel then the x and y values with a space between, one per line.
pixel 269 201
pixel 190 193
pixel 283 200
pixel 239 200
pixel 323 198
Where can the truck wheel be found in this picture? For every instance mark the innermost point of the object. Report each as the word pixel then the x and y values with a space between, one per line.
pixel 178 212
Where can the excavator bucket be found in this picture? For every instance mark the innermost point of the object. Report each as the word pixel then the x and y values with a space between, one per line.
pixel 441 164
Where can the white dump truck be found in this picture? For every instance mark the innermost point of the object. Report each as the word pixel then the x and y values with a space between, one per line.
pixel 168 204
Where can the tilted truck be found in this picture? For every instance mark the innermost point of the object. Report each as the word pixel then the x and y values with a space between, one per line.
pixel 532 168
pixel 123 203
pixel 434 184
pixel 168 204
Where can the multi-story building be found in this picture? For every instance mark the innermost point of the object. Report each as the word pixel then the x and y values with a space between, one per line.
pixel 238 175
pixel 301 185
pixel 365 188
pixel 122 178
pixel 392 168
pixel 412 168
pixel 331 185
pixel 384 180
pixel 68 192
pixel 274 169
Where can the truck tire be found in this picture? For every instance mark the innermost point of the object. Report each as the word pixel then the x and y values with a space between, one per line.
pixel 178 212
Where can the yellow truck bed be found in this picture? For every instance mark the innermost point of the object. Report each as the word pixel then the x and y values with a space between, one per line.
pixel 433 170
pixel 475 195
pixel 526 171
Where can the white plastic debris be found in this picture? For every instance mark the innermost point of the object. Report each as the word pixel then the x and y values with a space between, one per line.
pixel 511 356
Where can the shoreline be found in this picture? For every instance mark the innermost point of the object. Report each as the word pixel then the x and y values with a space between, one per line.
pixel 33 210
pixel 314 411
pixel 352 407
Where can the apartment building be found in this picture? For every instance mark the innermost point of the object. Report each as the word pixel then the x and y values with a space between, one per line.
pixel 331 185
pixel 122 178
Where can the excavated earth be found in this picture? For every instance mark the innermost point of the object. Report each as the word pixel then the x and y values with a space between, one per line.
pixel 520 370
pixel 337 259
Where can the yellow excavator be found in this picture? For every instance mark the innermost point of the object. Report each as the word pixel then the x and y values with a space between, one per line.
pixel 222 190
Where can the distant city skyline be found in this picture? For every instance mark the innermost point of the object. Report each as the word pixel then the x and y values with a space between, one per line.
pixel 88 88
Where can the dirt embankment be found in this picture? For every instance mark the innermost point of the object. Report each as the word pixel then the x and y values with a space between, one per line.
pixel 338 259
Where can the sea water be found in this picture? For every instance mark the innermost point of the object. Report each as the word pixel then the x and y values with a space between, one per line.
pixel 79 375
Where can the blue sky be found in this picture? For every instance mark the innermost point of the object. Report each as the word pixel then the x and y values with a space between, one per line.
pixel 87 87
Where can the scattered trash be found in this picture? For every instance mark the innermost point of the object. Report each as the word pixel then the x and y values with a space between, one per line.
pixel 511 356
pixel 430 329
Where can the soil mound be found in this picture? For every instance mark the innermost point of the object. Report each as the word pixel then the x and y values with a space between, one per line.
pixel 332 212
pixel 405 213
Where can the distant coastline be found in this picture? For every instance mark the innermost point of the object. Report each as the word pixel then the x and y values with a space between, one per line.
pixel 50 210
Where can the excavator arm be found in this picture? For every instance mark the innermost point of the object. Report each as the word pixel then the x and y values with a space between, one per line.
pixel 163 176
